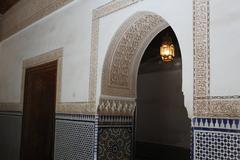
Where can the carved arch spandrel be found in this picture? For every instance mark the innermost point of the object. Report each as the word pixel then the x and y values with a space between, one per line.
pixel 119 76
pixel 124 54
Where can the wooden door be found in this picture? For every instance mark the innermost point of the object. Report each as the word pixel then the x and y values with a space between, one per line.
pixel 39 112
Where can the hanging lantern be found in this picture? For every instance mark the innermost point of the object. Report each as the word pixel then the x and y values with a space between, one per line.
pixel 167 50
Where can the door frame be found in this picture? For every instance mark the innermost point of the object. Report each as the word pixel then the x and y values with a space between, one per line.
pixel 54 55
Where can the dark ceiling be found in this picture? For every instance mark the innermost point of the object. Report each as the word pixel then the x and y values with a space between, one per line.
pixel 151 60
pixel 6 5
pixel 153 49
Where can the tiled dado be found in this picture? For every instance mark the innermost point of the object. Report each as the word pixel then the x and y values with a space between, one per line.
pixel 100 137
pixel 215 139
pixel 115 137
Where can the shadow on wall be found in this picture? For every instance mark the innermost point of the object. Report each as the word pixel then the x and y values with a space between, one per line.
pixel 162 124
pixel 161 116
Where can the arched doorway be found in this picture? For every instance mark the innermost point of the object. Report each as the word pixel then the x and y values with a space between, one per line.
pixel 162 126
pixel 117 101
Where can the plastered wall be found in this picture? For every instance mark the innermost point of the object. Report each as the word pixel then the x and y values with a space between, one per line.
pixel 224 47
pixel 68 28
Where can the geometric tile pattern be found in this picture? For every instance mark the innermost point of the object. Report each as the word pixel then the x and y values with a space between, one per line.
pixel 214 145
pixel 114 143
pixel 74 140
pixel 215 139
pixel 220 123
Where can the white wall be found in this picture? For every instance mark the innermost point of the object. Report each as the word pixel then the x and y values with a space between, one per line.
pixel 180 19
pixel 69 27
pixel 225 48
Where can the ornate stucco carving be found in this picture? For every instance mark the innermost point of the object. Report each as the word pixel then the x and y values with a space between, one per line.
pixel 26 12
pixel 224 107
pixel 204 104
pixel 93 60
pixel 125 52
pixel 116 106
pixel 98 13
pixel 201 48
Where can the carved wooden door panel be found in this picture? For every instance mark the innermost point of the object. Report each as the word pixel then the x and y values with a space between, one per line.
pixel 39 112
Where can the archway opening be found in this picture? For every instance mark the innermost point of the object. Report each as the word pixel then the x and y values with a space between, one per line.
pixel 162 125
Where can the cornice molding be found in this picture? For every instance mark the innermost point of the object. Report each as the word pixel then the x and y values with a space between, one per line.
pixel 26 12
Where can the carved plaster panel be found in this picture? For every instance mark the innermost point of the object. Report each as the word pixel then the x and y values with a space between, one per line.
pixel 93 60
pixel 125 53
pixel 224 108
pixel 204 104
pixel 116 106
pixel 104 10
pixel 201 48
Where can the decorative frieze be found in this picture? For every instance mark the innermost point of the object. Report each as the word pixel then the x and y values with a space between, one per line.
pixel 114 119
pixel 224 108
pixel 109 106
pixel 201 48
pixel 217 123
pixel 93 60
pixel 217 106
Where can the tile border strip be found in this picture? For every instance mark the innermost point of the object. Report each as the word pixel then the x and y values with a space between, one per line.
pixel 217 123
